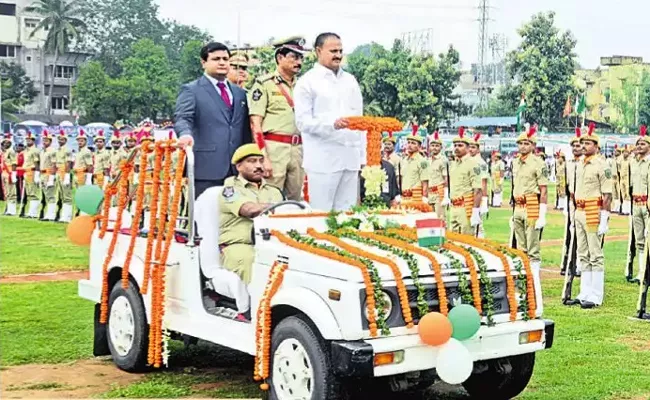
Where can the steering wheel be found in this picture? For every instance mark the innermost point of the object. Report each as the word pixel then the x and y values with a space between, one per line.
pixel 272 207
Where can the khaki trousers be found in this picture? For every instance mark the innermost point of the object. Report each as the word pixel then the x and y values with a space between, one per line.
pixel 63 193
pixel 288 175
pixel 639 223
pixel 590 249
pixel 526 235
pixel 48 192
pixel 460 223
pixel 239 258
pixel 9 188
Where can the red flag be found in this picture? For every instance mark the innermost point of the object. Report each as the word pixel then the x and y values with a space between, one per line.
pixel 567 107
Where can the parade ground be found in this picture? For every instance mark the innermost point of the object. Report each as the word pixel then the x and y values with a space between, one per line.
pixel 46 330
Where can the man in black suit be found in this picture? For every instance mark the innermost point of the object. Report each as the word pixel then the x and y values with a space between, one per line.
pixel 212 116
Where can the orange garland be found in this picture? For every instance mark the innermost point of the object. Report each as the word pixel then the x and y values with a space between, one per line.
pixel 154 217
pixel 471 265
pixel 263 324
pixel 327 214
pixel 135 223
pixel 404 232
pixel 370 290
pixel 374 126
pixel 414 205
pixel 108 196
pixel 401 288
pixel 530 286
pixel 437 270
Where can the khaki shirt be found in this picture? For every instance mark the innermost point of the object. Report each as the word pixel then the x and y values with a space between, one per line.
pixel 485 173
pixel 594 178
pixel 560 169
pixel 63 157
pixel 9 158
pixel 464 176
pixel 266 100
pixel 48 160
pixel 571 167
pixel 32 157
pixel 414 170
pixel 438 170
pixel 640 176
pixel 102 161
pixel 394 159
pixel 234 228
pixel 614 165
pixel 83 159
pixel 116 156
pixel 624 168
pixel 529 173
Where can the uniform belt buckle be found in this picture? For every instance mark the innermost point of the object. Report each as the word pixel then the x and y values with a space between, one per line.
pixel 295 140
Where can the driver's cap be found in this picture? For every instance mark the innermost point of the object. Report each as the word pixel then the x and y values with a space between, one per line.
pixel 247 150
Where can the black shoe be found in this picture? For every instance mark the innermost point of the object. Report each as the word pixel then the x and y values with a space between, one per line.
pixel 634 280
pixel 644 316
pixel 586 305
pixel 571 302
pixel 578 274
pixel 563 272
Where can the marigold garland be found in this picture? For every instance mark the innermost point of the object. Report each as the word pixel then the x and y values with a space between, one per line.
pixel 110 191
pixel 401 288
pixel 154 216
pixel 162 218
pixel 374 126
pixel 437 270
pixel 327 214
pixel 370 291
pixel 530 286
pixel 263 324
pixel 471 265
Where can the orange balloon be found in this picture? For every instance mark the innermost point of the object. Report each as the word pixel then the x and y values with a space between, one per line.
pixel 435 329
pixel 80 230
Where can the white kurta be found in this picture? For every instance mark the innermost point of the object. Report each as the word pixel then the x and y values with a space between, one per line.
pixel 331 157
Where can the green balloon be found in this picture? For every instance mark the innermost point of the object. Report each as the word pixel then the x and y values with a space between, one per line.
pixel 465 321
pixel 88 198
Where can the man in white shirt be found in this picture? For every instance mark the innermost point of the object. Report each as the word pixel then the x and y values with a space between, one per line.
pixel 333 154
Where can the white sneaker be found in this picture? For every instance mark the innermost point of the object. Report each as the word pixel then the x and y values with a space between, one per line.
pixel 11 209
pixel 50 214
pixel 66 213
pixel 34 206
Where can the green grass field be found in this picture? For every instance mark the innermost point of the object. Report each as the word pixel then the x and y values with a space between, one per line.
pixel 597 354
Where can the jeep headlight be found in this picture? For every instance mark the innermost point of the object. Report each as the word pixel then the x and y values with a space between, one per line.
pixel 388 305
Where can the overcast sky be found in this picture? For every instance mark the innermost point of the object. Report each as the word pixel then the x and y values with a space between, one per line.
pixel 601 27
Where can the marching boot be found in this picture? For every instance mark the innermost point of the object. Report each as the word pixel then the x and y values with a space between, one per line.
pixel 34 206
pixel 626 209
pixel 11 209
pixel 597 293
pixel 497 201
pixel 66 213
pixel 585 288
pixel 561 203
pixel 50 214
pixel 616 206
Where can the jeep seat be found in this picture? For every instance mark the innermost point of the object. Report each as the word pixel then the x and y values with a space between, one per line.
pixel 224 282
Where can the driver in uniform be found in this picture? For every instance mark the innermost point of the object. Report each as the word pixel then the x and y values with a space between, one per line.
pixel 243 198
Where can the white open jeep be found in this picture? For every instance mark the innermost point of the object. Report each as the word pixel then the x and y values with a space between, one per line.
pixel 320 342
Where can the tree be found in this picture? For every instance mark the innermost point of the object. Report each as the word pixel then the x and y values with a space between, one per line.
pixel 9 104
pixel 62 24
pixel 20 88
pixel 190 62
pixel 500 104
pixel 91 93
pixel 543 66
pixel 176 39
pixel 624 100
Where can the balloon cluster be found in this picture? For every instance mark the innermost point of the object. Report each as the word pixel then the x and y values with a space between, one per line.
pixel 454 362
pixel 88 199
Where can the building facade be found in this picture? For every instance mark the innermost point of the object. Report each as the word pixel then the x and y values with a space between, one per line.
pixel 19 44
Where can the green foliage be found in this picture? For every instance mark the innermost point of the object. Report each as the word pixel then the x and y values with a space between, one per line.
pixel 19 87
pixel 500 105
pixel 624 100
pixel 90 94
pixel 543 65
pixel 190 62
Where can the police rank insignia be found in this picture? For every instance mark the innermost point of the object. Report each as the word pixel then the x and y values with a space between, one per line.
pixel 608 173
pixel 257 94
pixel 424 165
pixel 477 170
pixel 544 171
pixel 228 192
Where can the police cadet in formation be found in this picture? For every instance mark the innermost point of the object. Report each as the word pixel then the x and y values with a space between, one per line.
pixel 569 255
pixel 273 120
pixel 48 175
pixel 32 177
pixel 9 176
pixel 465 188
pixel 389 153
pixel 624 171
pixel 498 171
pixel 64 161
pixel 438 175
pixel 101 160
pixel 530 183
pixel 639 218
pixel 475 151
pixel 130 141
pixel 616 187
pixel 238 74
pixel 593 201
pixel 83 161
pixel 145 139
pixel 117 154
pixel 414 169
pixel 243 198
pixel 560 178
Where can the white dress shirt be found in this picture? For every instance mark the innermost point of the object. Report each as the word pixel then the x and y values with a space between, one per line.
pixel 225 81
pixel 321 97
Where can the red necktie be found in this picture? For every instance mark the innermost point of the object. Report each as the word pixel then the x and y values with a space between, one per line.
pixel 224 93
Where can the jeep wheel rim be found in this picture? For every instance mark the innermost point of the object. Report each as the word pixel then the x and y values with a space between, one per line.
pixel 121 327
pixel 293 375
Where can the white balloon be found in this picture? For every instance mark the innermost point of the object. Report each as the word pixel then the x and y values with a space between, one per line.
pixel 126 218
pixel 455 363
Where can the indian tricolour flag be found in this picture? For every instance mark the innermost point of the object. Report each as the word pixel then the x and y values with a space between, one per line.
pixel 431 232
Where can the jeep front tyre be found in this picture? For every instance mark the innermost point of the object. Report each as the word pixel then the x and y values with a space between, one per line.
pixel 127 328
pixel 300 363
pixel 495 385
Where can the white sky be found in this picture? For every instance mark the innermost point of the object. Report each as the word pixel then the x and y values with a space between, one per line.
pixel 601 27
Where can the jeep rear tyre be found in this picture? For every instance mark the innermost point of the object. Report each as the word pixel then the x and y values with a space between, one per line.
pixel 127 328
pixel 495 385
pixel 300 363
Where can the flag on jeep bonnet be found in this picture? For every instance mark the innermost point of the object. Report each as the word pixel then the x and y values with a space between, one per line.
pixel 431 232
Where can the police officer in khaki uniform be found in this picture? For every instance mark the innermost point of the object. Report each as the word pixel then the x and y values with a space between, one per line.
pixel 560 176
pixel 130 141
pixel 530 183
pixel 273 120
pixel 438 175
pixel 389 152
pixel 83 162
pixel 9 176
pixel 624 171
pixel 116 156
pixel 475 151
pixel 64 161
pixel 243 198
pixel 238 74
pixel 498 171
pixel 32 170
pixel 101 160
pixel 616 191
pixel 570 244
pixel 464 187
pixel 593 200
pixel 415 171
pixel 48 175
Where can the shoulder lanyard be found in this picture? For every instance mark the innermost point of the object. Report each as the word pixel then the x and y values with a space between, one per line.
pixel 284 92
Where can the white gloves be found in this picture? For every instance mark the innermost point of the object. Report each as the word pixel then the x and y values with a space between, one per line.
pixel 66 180
pixel 484 206
pixel 475 220
pixel 50 181
pixel 604 219
pixel 37 177
pixel 136 178
pixel 425 199
pixel 14 176
pixel 397 199
pixel 446 201
pixel 541 221
pixel 89 179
